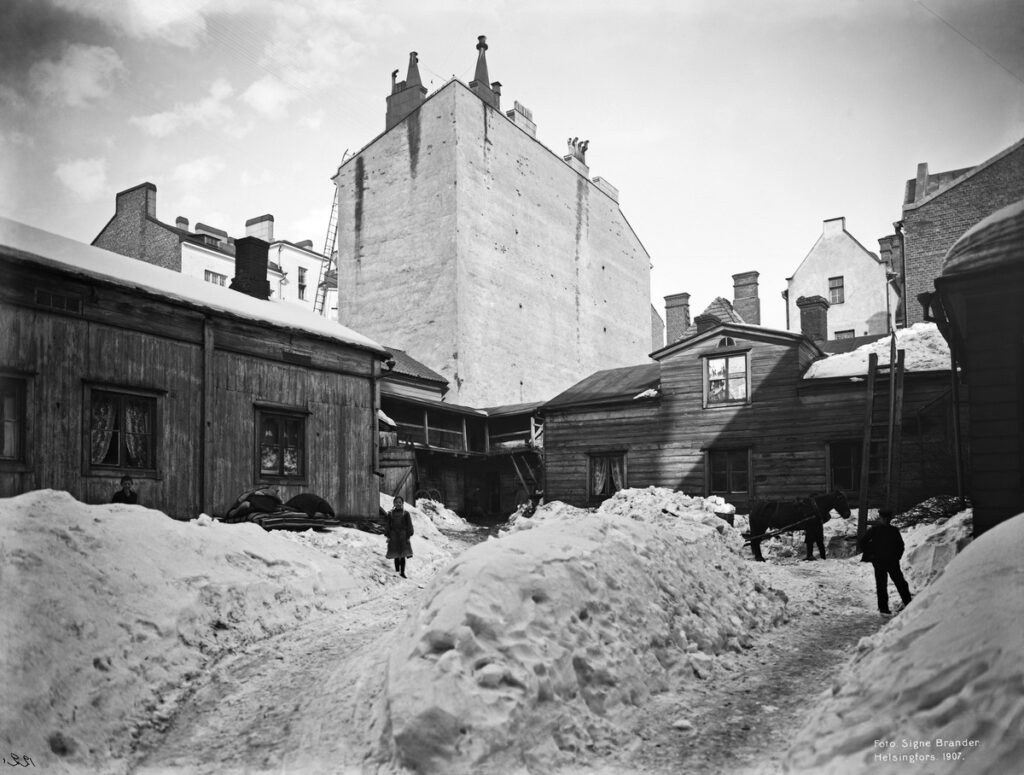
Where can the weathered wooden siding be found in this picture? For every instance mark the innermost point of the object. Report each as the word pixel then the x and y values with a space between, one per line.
pixel 787 426
pixel 123 339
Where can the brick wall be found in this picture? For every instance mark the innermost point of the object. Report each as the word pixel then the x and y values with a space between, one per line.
pixel 931 228
pixel 135 232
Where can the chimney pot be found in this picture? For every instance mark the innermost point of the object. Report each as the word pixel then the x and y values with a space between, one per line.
pixel 261 226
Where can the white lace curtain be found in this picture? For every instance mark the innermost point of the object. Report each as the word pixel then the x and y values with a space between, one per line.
pixel 104 413
pixel 137 433
pixel 608 469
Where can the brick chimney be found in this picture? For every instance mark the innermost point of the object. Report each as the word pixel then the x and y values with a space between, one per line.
pixel 251 268
pixel 181 222
pixel 677 316
pixel 745 299
pixel 141 197
pixel 522 117
pixel 405 95
pixel 262 226
pixel 813 317
pixel 706 322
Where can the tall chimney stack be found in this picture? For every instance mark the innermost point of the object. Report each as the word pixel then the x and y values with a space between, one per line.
pixel 745 299
pixel 813 317
pixel 251 255
pixel 677 316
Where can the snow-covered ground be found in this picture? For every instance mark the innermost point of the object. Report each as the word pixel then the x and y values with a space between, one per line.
pixel 528 653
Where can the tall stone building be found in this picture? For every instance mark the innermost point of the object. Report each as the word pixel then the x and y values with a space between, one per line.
pixel 501 264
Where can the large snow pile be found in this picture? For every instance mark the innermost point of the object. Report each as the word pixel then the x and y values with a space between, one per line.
pixel 926 350
pixel 110 611
pixel 940 689
pixel 929 548
pixel 442 517
pixel 535 647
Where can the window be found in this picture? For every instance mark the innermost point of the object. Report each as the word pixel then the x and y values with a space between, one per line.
pixel 282 443
pixel 727 379
pixel 728 471
pixel 122 430
pixel 847 334
pixel 12 419
pixel 215 278
pixel 844 465
pixel 59 301
pixel 302 282
pixel 607 474
pixel 836 293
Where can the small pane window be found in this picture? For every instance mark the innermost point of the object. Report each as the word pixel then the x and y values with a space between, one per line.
pixel 847 334
pixel 122 429
pixel 727 379
pixel 607 475
pixel 844 465
pixel 729 471
pixel 836 292
pixel 281 444
pixel 302 282
pixel 12 419
pixel 215 278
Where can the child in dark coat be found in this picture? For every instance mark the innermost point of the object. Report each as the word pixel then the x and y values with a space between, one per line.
pixel 398 529
pixel 883 548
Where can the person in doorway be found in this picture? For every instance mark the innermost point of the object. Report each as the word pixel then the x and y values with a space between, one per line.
pixel 398 530
pixel 883 548
pixel 127 492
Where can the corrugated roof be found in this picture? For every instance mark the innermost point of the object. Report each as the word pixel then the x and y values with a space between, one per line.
pixel 609 386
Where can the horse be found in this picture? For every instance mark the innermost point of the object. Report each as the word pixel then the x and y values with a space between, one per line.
pixel 806 513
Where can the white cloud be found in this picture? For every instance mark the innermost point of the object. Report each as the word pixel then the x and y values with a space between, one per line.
pixel 313 121
pixel 86 178
pixel 82 74
pixel 209 112
pixel 178 22
pixel 269 96
pixel 198 170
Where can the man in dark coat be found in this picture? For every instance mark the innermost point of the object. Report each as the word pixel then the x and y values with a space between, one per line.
pixel 883 548
pixel 814 530
pixel 398 529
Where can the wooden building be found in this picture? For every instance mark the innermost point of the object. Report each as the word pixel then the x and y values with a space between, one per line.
pixel 110 366
pixel 478 462
pixel 977 304
pixel 735 410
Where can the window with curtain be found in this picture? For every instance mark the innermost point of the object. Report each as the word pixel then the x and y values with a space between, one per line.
pixel 726 379
pixel 729 471
pixel 282 443
pixel 12 419
pixel 607 474
pixel 122 430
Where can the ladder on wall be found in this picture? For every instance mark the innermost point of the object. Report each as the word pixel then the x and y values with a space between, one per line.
pixel 883 431
pixel 328 264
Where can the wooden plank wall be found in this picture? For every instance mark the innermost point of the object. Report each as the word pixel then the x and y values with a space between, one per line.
pixel 787 426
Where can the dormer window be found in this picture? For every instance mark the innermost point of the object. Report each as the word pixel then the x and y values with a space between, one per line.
pixel 726 380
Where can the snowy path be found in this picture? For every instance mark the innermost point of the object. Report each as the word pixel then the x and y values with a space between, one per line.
pixel 299 702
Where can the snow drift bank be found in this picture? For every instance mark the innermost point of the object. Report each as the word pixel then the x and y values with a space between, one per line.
pixel 945 675
pixel 535 647
pixel 111 611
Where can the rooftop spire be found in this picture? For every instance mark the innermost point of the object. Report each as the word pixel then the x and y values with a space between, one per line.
pixel 481 61
pixel 413 77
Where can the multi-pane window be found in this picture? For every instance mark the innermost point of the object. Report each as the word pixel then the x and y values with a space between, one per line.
pixel 12 419
pixel 215 278
pixel 836 293
pixel 727 379
pixel 728 471
pixel 302 282
pixel 847 334
pixel 844 464
pixel 122 430
pixel 281 442
pixel 607 474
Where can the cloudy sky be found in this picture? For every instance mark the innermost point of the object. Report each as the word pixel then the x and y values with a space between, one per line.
pixel 732 129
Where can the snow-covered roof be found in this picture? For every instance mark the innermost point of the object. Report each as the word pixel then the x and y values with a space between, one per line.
pixel 27 243
pixel 996 241
pixel 925 350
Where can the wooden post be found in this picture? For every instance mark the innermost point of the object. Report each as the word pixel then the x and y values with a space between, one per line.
pixel 865 457
pixel 206 448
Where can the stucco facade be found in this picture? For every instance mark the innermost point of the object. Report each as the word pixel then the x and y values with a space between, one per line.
pixel 502 266
pixel 853 280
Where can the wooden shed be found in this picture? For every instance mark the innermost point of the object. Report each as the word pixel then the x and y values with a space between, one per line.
pixel 736 411
pixel 110 366
pixel 977 304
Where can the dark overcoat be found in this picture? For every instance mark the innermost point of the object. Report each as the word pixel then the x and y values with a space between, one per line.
pixel 398 529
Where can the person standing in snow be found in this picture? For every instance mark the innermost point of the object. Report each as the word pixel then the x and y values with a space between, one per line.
pixel 398 530
pixel 883 548
pixel 814 532
pixel 127 492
